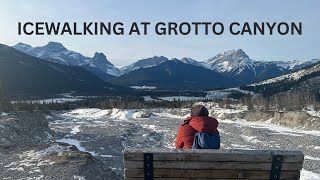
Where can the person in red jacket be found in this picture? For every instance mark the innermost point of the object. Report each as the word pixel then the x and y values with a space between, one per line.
pixel 198 122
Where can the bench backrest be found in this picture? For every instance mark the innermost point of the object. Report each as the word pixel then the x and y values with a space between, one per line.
pixel 211 164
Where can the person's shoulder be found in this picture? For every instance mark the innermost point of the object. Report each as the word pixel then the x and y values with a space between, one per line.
pixel 201 118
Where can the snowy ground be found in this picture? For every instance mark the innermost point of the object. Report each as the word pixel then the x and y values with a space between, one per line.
pixel 105 133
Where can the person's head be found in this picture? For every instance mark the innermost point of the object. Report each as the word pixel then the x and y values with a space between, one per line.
pixel 199 110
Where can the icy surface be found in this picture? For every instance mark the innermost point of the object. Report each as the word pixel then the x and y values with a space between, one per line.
pixel 308 175
pixel 105 133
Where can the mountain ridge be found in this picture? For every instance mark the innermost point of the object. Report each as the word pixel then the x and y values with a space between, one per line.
pixel 25 75
pixel 234 64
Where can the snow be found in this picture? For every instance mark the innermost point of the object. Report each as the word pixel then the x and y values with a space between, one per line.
pixel 79 177
pixel 39 154
pixel 273 127
pixel 149 98
pixel 90 113
pixel 34 159
pixel 56 52
pixel 216 94
pixel 75 130
pixel 143 87
pixel 291 77
pixel 77 144
pixel 72 142
pixel 308 175
pixel 116 114
pixel 121 114
pixel 312 158
pixel 230 61
pixel 53 100
pixel 251 139
pixel 3 114
pixel 313 113
pixel 181 98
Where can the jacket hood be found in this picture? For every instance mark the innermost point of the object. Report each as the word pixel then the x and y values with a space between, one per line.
pixel 203 124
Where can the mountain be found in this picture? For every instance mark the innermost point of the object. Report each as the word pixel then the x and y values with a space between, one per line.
pixel 174 74
pixel 144 63
pixel 307 79
pixel 25 75
pixel 191 61
pixel 237 64
pixel 100 66
pixel 56 52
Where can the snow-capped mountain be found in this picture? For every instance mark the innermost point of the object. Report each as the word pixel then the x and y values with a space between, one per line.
pixel 305 81
pixel 100 60
pixel 174 74
pixel 232 61
pixel 144 63
pixel 25 75
pixel 295 65
pixel 295 76
pixel 57 53
pixel 236 61
pixel 237 64
pixel 232 64
pixel 191 61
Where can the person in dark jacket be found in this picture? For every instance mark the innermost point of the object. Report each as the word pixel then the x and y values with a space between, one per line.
pixel 198 122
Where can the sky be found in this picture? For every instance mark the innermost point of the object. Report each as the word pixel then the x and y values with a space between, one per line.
pixel 123 50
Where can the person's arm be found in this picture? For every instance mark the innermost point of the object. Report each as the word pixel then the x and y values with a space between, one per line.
pixel 179 141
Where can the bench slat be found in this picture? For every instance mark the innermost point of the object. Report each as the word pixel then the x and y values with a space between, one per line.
pixel 213 156
pixel 222 174
pixel 210 165
pixel 191 179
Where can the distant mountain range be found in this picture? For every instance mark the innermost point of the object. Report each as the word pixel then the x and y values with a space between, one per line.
pixel 25 75
pixel 306 79
pixel 233 67
pixel 56 52
pixel 174 74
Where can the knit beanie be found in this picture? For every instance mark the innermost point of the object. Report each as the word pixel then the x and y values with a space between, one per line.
pixel 199 110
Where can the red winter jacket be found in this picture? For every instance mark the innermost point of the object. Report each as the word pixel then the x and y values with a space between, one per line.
pixel 196 124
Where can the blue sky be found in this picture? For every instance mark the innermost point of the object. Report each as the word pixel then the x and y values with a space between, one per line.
pixel 122 50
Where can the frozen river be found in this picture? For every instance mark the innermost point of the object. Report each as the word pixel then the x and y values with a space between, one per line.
pixel 105 133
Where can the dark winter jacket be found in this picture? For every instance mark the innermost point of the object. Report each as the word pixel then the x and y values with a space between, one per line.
pixel 191 126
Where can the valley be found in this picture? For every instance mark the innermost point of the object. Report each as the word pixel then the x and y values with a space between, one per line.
pixel 105 133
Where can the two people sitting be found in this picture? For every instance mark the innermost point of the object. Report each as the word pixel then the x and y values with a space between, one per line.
pixel 199 131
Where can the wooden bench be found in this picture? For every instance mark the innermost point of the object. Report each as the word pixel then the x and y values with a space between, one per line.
pixel 211 164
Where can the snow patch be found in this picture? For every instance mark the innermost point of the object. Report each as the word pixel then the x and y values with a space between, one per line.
pixel 251 139
pixel 92 113
pixel 273 127
pixel 77 143
pixel 182 98
pixel 72 142
pixel 79 177
pixel 312 158
pixel 53 100
pixel 308 175
pixel 143 87
pixel 121 114
pixel 75 129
